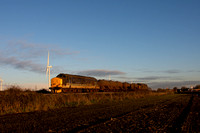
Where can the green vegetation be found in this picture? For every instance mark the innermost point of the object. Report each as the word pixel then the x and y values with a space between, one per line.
pixel 14 100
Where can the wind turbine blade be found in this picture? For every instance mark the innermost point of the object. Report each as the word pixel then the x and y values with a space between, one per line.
pixel 48 59
pixel 47 71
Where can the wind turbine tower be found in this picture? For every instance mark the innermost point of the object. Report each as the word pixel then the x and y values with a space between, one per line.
pixel 1 84
pixel 48 71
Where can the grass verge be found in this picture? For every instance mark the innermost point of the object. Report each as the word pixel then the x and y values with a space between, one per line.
pixel 14 100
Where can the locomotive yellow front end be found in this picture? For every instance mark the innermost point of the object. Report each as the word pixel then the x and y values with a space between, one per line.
pixel 56 85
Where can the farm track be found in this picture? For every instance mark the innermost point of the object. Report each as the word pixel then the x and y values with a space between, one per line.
pixel 154 114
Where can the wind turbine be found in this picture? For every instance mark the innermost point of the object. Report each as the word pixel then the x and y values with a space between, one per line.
pixel 48 70
pixel 1 84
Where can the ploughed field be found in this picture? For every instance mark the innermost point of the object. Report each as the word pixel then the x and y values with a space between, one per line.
pixel 165 113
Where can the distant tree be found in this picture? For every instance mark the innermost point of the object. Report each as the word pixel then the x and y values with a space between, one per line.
pixel 183 89
pixel 178 90
pixel 149 89
pixel 175 89
pixel 44 91
pixel 197 87
pixel 161 90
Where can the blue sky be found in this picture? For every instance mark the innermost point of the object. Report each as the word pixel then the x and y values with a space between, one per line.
pixel 155 42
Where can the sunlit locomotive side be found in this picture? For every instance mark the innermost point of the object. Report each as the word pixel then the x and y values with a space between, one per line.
pixel 73 83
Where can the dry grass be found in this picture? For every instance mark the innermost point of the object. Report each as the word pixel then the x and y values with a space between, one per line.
pixel 14 100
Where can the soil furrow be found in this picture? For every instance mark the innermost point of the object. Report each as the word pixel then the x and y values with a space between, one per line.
pixel 177 125
pixel 153 119
pixel 156 113
pixel 143 108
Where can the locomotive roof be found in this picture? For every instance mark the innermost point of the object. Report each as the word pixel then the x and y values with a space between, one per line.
pixel 63 75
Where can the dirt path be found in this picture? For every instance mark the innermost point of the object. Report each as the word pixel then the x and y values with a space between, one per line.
pixel 158 113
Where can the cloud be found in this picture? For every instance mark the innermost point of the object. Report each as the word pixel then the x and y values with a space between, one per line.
pixel 100 73
pixel 172 71
pixel 27 65
pixel 22 64
pixel 64 52
pixel 26 49
pixel 172 84
pixel 147 79
pixel 24 55
pixel 150 78
pixel 124 78
pixel 193 71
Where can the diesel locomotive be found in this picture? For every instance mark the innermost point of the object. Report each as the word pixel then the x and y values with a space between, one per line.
pixel 77 83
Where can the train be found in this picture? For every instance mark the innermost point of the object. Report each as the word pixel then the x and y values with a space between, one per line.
pixel 64 83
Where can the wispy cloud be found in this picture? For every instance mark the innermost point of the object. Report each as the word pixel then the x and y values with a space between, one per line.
pixel 172 71
pixel 171 84
pixel 147 79
pixel 23 48
pixel 63 52
pixel 100 73
pixel 22 64
pixel 193 71
pixel 24 55
pixel 124 78
pixel 150 78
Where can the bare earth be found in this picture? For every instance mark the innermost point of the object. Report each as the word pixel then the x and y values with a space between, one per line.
pixel 173 113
